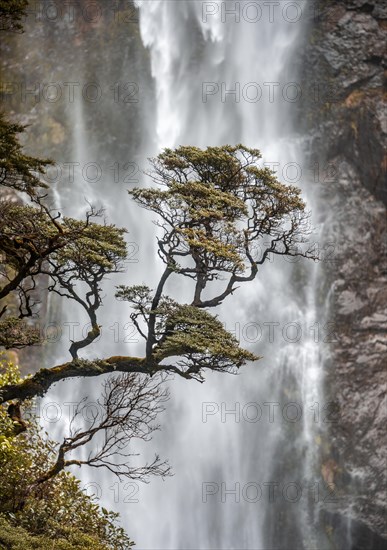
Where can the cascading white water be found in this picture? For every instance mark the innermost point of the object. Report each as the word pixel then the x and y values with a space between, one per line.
pixel 221 77
pixel 210 62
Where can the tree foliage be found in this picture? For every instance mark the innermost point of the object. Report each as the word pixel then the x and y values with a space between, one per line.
pixel 195 337
pixel 215 207
pixel 56 513
pixel 37 241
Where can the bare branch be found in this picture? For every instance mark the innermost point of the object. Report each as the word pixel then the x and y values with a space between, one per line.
pixel 130 404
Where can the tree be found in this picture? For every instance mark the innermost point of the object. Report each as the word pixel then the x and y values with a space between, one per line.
pixel 35 240
pixel 219 217
pixel 54 512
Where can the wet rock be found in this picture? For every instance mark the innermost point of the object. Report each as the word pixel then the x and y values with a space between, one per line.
pixel 348 131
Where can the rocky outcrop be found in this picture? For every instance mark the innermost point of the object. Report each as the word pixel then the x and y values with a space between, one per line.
pixel 347 128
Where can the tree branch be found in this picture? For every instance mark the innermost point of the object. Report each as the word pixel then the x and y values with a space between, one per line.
pixel 152 316
pixel 39 383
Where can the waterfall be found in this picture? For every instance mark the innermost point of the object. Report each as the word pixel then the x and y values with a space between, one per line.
pixel 221 78
pixel 221 75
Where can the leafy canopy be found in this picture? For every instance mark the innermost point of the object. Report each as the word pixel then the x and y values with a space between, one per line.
pixel 220 212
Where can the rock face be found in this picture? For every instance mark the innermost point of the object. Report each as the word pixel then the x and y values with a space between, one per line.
pixel 347 126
